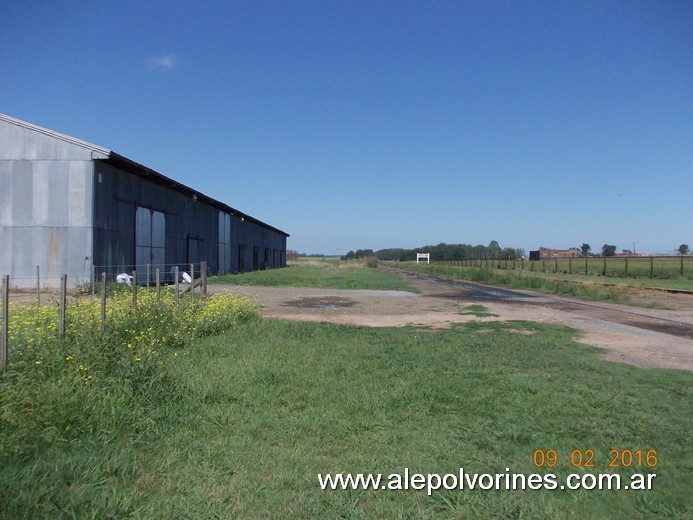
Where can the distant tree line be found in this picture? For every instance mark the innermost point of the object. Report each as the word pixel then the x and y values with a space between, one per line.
pixel 441 251
pixel 610 250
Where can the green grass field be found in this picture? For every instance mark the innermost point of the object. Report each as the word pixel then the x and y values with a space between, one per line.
pixel 240 424
pixel 675 272
pixel 586 287
pixel 329 273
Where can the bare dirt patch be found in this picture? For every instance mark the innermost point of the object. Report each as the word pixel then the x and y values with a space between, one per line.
pixel 524 332
pixel 649 338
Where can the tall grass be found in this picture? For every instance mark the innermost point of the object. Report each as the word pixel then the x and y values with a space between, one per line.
pixel 242 424
pixel 93 387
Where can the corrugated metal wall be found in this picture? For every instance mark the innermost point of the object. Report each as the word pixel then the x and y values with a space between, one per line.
pixel 255 247
pixel 66 205
pixel 45 206
pixel 191 227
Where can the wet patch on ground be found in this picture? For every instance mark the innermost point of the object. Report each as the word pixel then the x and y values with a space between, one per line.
pixel 473 291
pixel 327 302
pixel 479 292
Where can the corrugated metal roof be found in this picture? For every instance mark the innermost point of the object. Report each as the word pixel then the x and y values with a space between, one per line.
pixel 122 162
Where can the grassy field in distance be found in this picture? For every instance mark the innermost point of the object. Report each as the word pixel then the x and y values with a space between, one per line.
pixel 329 273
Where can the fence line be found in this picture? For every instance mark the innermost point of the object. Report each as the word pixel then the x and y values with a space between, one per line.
pixel 147 272
pixel 613 266
pixel 62 302
pixel 39 284
pixel 5 311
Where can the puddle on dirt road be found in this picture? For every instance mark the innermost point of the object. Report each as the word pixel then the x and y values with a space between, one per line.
pixel 330 302
pixel 479 292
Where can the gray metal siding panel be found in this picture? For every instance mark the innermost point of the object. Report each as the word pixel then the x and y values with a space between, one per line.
pixel 6 191
pixel 45 219
pixel 23 141
pixel 36 193
pixel 56 250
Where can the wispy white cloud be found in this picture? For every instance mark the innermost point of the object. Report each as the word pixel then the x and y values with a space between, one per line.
pixel 165 62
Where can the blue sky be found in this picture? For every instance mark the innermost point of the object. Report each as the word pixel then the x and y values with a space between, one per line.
pixel 376 124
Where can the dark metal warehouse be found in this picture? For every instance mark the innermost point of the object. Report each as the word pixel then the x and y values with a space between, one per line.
pixel 68 206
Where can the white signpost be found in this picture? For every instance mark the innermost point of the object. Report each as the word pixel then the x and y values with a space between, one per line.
pixel 423 256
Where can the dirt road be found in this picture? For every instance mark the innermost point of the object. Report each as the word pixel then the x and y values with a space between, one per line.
pixel 648 338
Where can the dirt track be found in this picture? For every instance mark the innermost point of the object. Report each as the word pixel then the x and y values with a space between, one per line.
pixel 643 337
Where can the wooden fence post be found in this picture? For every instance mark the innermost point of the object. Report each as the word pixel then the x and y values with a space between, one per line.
pixel 62 304
pixel 134 290
pixel 570 265
pixel 158 287
pixel 175 271
pixel 604 270
pixel 192 280
pixel 5 335
pixel 626 267
pixel 103 302
pixel 203 279
pixel 586 258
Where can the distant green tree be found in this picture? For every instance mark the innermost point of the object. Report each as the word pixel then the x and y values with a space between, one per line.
pixel 683 249
pixel 441 251
pixel 363 253
pixel 392 254
pixel 608 250
pixel 494 249
pixel 509 253
pixel 585 249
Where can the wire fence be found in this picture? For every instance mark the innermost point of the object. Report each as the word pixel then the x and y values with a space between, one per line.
pixel 182 282
pixel 663 267
pixel 39 283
